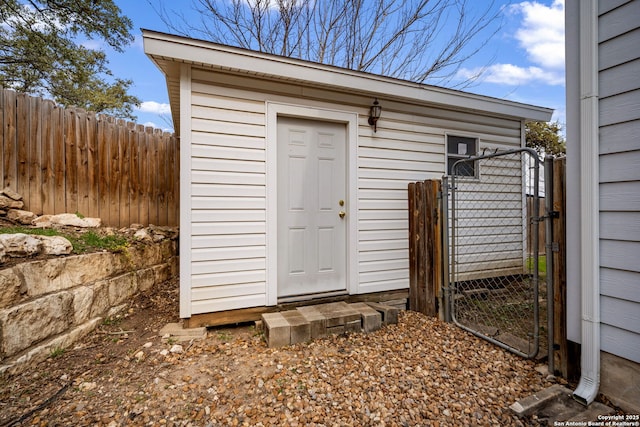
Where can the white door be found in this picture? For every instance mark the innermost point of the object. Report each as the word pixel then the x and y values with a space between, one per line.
pixel 312 210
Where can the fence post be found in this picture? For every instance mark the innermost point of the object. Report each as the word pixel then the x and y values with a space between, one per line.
pixel 549 251
pixel 445 259
pixel 424 247
pixel 561 355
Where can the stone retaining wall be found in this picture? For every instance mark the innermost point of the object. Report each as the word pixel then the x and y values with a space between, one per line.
pixel 49 304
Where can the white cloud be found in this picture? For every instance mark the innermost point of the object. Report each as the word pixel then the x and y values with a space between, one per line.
pixel 154 107
pixel 541 36
pixel 513 75
pixel 93 44
pixel 542 32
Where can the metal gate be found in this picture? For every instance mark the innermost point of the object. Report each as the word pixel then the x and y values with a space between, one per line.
pixel 493 249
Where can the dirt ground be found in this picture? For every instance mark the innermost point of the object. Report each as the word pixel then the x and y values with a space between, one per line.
pixel 419 372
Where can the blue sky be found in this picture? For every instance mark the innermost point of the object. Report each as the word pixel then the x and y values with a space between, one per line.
pixel 526 58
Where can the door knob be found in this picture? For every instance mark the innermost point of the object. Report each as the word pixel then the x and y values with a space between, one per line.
pixel 341 214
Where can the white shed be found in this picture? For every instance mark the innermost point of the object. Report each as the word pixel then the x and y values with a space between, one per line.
pixel 287 192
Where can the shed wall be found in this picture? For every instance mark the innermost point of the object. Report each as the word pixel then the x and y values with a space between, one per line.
pixel 228 200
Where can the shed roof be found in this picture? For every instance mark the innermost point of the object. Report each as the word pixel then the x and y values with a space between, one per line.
pixel 168 51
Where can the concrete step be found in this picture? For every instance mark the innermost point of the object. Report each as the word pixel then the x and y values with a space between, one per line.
pixel 317 321
pixel 555 405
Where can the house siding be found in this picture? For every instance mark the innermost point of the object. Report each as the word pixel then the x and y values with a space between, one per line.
pixel 619 94
pixel 228 198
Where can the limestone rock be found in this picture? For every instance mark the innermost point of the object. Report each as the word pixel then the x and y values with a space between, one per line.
pixel 19 244
pixel 56 245
pixel 21 216
pixel 56 274
pixel 74 220
pixel 36 320
pixel 10 287
pixel 144 235
pixel 11 194
pixel 43 221
pixel 9 203
pixel 82 303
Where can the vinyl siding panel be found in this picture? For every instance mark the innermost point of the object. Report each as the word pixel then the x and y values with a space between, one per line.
pixel 619 85
pixel 228 204
pixel 620 342
pixel 620 137
pixel 229 193
pixel 620 284
pixel 411 148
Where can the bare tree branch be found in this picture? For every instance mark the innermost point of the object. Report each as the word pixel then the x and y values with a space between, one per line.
pixel 418 40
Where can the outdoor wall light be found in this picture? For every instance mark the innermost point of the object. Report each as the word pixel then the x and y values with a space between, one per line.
pixel 374 114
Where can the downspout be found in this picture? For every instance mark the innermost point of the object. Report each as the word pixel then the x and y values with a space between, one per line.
pixel 589 383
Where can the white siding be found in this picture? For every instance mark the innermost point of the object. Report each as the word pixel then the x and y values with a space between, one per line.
pixel 229 194
pixel 228 203
pixel 412 148
pixel 489 219
pixel 619 83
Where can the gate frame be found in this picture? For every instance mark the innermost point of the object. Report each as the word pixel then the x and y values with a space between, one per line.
pixel 449 258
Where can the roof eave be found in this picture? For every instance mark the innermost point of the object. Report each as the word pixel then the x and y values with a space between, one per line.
pixel 161 46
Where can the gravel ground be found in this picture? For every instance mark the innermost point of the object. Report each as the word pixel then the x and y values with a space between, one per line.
pixel 419 372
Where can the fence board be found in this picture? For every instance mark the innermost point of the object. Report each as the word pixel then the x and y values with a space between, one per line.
pixel 123 158
pixel 10 163
pixel 46 189
pixel 144 177
pixel 103 137
pixel 425 270
pixel 22 140
pixel 2 113
pixel 83 162
pixel 115 176
pixel 34 151
pixel 93 209
pixel 134 175
pixel 173 189
pixel 68 160
pixel 59 165
pixel 153 178
pixel 71 161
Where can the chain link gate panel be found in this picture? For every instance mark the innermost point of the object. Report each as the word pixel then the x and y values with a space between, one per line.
pixel 494 255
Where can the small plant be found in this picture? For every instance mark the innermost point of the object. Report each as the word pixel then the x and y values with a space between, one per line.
pixel 224 336
pixel 26 230
pixel 92 241
pixel 110 321
pixel 86 242
pixel 56 352
pixel 79 215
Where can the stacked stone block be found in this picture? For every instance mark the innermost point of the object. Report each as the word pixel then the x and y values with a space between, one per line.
pixel 317 321
pixel 49 304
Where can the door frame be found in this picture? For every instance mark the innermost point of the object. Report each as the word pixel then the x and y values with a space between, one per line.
pixel 350 119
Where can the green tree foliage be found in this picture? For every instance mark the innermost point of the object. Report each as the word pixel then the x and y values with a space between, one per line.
pixel 545 138
pixel 40 54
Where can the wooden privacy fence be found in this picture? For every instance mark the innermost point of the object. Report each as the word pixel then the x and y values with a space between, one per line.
pixel 69 160
pixel 425 247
